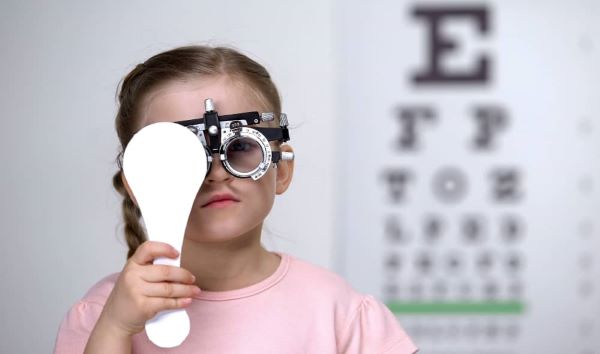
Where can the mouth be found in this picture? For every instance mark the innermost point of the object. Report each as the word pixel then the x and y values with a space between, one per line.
pixel 220 201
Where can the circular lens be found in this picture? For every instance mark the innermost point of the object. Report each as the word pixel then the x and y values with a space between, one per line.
pixel 244 154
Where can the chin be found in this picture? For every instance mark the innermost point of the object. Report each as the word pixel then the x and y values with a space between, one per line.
pixel 217 233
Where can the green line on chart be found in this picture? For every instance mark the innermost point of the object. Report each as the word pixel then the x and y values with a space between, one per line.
pixel 457 308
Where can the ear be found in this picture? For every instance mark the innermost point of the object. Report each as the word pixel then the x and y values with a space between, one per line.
pixel 285 171
pixel 128 188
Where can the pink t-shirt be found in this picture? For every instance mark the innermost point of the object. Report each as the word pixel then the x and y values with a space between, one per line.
pixel 301 308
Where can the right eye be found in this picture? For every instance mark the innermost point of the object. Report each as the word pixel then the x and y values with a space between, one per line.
pixel 240 146
pixel 244 154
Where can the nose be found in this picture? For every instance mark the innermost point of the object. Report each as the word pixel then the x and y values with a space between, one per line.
pixel 217 171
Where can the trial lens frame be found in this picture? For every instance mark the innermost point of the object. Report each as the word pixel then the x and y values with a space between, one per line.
pixel 222 130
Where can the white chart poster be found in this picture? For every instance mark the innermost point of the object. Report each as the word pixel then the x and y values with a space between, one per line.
pixel 470 161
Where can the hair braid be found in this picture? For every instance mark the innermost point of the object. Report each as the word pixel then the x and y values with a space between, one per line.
pixel 135 234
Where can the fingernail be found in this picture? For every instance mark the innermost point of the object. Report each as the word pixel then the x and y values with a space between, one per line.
pixel 186 301
pixel 197 291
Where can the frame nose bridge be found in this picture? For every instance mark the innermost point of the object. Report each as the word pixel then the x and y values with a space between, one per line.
pixel 216 169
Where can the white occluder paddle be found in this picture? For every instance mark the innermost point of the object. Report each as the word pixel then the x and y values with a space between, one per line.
pixel 165 165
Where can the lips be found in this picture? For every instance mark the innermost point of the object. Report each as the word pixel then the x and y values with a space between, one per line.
pixel 220 199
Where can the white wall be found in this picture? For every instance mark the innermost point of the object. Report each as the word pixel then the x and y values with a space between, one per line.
pixel 60 66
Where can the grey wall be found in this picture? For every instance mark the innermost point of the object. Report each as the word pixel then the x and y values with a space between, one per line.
pixel 60 66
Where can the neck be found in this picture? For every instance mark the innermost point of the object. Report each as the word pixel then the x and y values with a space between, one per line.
pixel 231 264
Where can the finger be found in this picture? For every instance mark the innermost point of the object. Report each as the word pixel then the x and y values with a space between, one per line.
pixel 150 250
pixel 156 273
pixel 170 290
pixel 162 304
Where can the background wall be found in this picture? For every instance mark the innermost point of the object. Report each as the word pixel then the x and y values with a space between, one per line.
pixel 470 206
pixel 60 66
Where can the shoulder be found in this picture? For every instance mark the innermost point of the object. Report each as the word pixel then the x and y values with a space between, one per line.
pixel 100 291
pixel 322 289
pixel 323 279
pixel 86 311
pixel 81 318
pixel 362 321
pixel 94 299
pixel 374 328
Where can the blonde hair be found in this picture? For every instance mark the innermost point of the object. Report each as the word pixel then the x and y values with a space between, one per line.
pixel 178 64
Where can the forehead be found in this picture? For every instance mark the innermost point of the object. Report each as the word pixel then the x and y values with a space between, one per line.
pixel 182 100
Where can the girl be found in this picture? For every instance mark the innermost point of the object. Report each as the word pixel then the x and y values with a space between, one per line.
pixel 240 297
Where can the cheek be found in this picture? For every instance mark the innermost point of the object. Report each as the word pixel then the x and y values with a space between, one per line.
pixel 262 195
pixel 266 186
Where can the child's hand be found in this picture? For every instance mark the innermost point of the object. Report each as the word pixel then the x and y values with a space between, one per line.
pixel 144 289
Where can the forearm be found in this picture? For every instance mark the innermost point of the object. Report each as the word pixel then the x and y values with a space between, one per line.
pixel 108 339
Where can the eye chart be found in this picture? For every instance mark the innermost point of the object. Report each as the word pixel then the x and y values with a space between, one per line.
pixel 470 170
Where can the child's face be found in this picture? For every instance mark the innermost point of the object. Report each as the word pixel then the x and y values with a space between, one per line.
pixel 178 101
